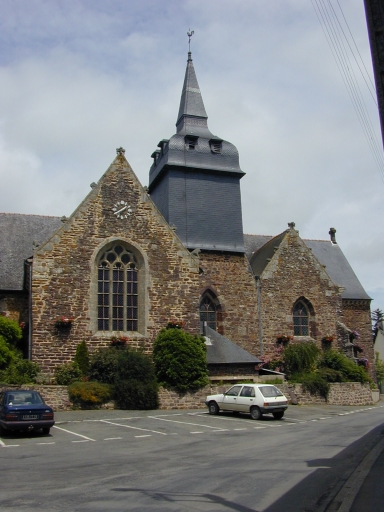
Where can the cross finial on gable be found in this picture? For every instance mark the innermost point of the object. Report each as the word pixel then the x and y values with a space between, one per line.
pixel 120 151
pixel 291 225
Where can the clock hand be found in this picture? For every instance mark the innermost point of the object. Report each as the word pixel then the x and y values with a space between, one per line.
pixel 121 210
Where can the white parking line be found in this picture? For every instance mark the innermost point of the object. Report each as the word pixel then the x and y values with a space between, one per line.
pixel 74 433
pixel 47 443
pixel 134 428
pixel 239 429
pixel 10 445
pixel 81 441
pixel 185 423
pixel 112 438
pixel 2 443
pixel 145 435
pixel 199 432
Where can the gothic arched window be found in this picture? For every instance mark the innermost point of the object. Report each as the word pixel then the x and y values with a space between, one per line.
pixel 208 311
pixel 117 289
pixel 300 319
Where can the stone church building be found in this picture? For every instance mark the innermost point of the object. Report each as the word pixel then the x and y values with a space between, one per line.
pixel 130 259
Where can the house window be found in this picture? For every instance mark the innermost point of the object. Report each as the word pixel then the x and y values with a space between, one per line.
pixel 208 311
pixel 300 319
pixel 117 295
pixel 191 142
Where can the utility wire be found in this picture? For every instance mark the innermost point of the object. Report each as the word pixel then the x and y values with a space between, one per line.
pixel 335 37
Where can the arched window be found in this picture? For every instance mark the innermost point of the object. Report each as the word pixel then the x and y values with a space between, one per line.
pixel 300 319
pixel 117 289
pixel 208 311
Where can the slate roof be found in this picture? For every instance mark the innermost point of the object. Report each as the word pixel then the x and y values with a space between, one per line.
pixel 18 233
pixel 328 254
pixel 222 351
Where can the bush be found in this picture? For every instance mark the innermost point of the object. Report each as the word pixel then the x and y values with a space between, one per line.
pixel 67 373
pixel 89 394
pixel 135 394
pixel 331 375
pixel 82 357
pixel 103 365
pixel 314 383
pixel 180 360
pixel 20 371
pixel 301 357
pixel 348 370
pixel 10 331
pixel 6 353
pixel 135 365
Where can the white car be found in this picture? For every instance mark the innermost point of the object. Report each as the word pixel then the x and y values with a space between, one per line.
pixel 255 399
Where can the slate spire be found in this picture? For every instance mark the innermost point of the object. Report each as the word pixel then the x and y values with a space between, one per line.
pixel 191 103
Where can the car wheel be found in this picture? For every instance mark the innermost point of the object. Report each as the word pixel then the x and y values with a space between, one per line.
pixel 256 414
pixel 213 408
pixel 278 415
pixel 46 430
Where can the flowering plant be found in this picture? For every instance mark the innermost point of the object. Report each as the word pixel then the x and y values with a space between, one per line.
pixel 63 321
pixel 174 324
pixel 119 341
pixel 274 361
pixel 328 339
pixel 363 361
pixel 284 338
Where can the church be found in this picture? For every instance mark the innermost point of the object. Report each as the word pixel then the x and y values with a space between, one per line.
pixel 132 258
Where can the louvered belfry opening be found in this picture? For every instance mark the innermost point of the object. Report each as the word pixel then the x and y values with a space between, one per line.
pixel 117 290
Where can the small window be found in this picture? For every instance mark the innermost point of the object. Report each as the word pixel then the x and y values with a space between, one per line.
pixel 234 391
pixel 191 142
pixel 300 319
pixel 216 146
pixel 208 311
pixel 248 391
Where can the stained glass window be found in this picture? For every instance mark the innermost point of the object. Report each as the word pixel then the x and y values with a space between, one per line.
pixel 300 319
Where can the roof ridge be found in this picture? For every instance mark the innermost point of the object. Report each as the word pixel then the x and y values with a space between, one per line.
pixel 32 215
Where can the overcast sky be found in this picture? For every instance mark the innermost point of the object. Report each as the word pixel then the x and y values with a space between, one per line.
pixel 79 78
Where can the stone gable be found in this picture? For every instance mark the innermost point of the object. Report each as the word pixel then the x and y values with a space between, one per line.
pixel 64 278
pixel 293 273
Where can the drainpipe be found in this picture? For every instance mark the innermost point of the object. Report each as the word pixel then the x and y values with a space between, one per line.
pixel 30 313
pixel 259 313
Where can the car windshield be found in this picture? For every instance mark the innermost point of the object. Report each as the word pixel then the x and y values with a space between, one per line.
pixel 24 398
pixel 269 391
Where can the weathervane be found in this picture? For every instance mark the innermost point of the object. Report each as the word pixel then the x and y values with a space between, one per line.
pixel 190 34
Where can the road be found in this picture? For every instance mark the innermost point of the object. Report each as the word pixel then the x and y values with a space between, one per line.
pixel 188 461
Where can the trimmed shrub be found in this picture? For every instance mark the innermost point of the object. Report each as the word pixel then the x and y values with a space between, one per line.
pixel 10 331
pixel 89 394
pixel 103 365
pixel 82 357
pixel 180 360
pixel 135 394
pixel 20 371
pixel 135 365
pixel 67 373
pixel 6 353
pixel 301 358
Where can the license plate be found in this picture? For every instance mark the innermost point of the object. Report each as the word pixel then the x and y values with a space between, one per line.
pixel 30 417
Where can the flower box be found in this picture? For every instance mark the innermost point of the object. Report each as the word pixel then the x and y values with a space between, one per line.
pixel 64 322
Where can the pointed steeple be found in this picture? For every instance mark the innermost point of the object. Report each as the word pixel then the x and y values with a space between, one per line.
pixel 191 103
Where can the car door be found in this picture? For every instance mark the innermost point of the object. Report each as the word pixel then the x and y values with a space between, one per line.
pixel 246 398
pixel 230 399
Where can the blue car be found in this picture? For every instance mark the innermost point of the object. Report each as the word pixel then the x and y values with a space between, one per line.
pixel 24 410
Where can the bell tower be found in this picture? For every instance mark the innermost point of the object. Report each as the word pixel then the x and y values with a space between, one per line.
pixel 195 178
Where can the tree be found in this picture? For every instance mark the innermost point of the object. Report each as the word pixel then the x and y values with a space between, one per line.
pixel 180 360
pixel 82 357
pixel 377 315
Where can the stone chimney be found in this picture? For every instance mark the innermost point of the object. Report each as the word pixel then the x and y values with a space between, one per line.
pixel 332 232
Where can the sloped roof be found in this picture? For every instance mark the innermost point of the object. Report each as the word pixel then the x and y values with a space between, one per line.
pixel 18 234
pixel 191 103
pixel 327 253
pixel 337 266
pixel 223 351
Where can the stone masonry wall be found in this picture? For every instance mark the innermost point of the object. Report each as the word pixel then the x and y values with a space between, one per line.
pixel 64 280
pixel 292 274
pixel 345 393
pixel 357 316
pixel 229 277
pixel 14 305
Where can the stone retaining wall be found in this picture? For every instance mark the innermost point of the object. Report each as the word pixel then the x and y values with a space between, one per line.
pixel 345 393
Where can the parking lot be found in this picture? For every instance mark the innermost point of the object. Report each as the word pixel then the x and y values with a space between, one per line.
pixel 76 427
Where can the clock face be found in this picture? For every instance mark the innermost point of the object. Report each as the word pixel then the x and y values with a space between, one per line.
pixel 122 210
